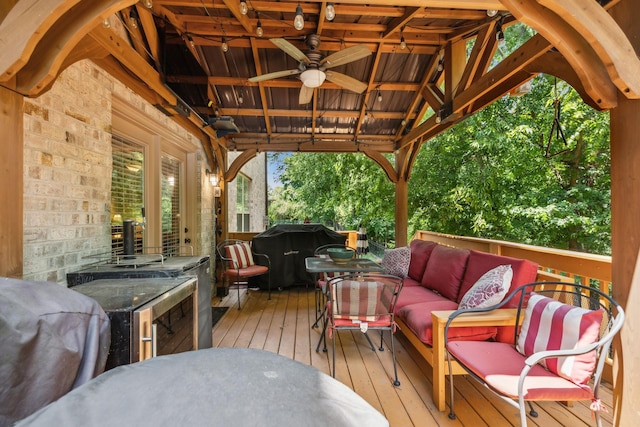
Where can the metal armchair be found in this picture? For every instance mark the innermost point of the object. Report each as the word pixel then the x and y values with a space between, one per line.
pixel 562 336
pixel 238 263
pixel 364 302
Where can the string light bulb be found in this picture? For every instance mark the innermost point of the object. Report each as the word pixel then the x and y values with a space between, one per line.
pixel 298 21
pixel 330 12
pixel 190 40
pixel 379 97
pixel 491 13
pixel 148 4
pixel 106 23
pixel 403 43
pixel 244 9
pixel 259 31
pixel 225 45
pixel 133 19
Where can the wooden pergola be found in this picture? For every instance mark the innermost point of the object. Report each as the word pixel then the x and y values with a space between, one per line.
pixel 192 59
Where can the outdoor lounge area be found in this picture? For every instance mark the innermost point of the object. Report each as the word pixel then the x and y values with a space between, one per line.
pixel 282 325
pixel 128 127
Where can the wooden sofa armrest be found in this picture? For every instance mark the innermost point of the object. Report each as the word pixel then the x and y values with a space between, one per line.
pixel 499 317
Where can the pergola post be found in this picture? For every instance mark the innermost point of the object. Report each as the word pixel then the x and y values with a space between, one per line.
pixel 402 216
pixel 625 233
pixel 11 190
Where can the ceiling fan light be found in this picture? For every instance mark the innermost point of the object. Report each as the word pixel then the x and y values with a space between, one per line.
pixel 244 9
pixel 312 78
pixel 330 12
pixel 298 21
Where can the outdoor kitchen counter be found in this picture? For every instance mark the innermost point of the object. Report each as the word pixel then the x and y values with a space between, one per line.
pixel 213 387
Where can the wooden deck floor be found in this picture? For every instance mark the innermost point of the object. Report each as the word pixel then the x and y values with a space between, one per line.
pixel 282 325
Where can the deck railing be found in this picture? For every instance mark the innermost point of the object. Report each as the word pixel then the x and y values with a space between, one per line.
pixel 587 269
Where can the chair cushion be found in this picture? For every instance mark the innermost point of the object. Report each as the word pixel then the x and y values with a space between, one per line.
pixel 358 300
pixel 499 365
pixel 490 289
pixel 445 270
pixel 396 261
pixel 240 254
pixel 252 270
pixel 418 318
pixel 420 253
pixel 551 325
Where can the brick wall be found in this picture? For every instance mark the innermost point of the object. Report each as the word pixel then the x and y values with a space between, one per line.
pixel 67 172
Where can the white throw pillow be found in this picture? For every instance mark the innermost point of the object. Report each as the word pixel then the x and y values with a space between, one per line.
pixel 490 289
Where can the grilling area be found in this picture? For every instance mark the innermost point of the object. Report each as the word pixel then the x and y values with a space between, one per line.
pixel 167 103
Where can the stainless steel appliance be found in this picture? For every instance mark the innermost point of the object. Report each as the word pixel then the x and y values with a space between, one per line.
pixel 156 265
pixel 134 307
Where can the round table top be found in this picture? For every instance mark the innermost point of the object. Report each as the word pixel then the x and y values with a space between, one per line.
pixel 212 387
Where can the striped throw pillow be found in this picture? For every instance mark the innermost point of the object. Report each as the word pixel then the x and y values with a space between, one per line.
pixel 359 300
pixel 240 254
pixel 551 325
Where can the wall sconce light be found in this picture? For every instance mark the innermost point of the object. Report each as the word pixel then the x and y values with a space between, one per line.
pixel 213 180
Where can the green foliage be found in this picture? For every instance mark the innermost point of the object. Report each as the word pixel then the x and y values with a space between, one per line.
pixel 335 189
pixel 503 174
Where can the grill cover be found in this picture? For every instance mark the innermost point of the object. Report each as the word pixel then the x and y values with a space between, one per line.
pixel 287 246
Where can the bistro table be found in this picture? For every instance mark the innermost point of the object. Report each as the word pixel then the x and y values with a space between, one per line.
pixel 354 265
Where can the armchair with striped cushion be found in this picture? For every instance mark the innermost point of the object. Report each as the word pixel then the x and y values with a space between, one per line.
pixel 563 334
pixel 238 263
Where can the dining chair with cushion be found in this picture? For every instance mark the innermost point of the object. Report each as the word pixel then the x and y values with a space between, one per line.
pixel 321 280
pixel 562 337
pixel 363 301
pixel 238 263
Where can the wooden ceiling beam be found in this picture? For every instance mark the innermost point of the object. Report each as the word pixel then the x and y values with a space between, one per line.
pixel 263 95
pixel 604 35
pixel 336 114
pixel 578 52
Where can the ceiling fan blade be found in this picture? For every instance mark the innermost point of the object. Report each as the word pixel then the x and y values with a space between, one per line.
pixel 345 56
pixel 274 75
pixel 306 93
pixel 290 50
pixel 346 81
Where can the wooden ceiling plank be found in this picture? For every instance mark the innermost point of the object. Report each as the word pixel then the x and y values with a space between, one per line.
pixel 572 45
pixel 150 33
pixel 483 39
pixel 606 38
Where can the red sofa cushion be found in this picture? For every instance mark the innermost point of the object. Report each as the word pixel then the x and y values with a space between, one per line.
pixel 420 253
pixel 416 294
pixel 418 319
pixel 524 271
pixel 445 270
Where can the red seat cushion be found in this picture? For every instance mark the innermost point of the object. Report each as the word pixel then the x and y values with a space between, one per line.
pixel 418 318
pixel 415 295
pixel 420 253
pixel 499 365
pixel 254 270
pixel 445 270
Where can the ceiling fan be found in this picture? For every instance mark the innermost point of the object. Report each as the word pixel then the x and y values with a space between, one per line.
pixel 313 68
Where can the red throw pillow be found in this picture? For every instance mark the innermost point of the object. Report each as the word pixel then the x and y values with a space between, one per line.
pixel 551 325
pixel 445 270
pixel 420 253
